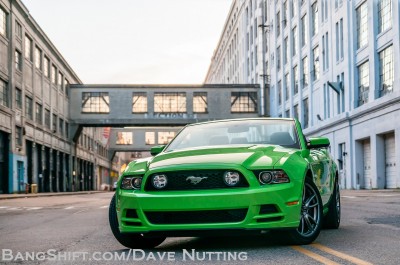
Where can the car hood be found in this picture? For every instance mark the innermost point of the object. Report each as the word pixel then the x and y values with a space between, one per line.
pixel 249 156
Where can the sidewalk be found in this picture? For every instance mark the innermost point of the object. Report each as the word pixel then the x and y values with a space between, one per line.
pixel 46 194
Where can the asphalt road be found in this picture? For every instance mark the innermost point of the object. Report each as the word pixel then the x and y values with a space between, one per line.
pixel 74 230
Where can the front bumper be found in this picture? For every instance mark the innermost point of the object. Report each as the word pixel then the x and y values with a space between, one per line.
pixel 252 199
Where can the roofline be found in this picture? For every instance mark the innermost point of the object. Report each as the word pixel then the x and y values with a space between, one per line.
pixel 164 86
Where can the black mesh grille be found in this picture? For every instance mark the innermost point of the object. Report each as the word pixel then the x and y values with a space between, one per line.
pixel 206 179
pixel 197 217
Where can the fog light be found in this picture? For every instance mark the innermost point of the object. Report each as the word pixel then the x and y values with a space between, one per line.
pixel 231 178
pixel 159 181
pixel 265 177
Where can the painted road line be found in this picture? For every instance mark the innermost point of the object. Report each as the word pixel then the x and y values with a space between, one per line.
pixel 340 254
pixel 14 209
pixel 33 208
pixel 105 206
pixel 70 207
pixel 349 197
pixel 314 256
pixel 4 207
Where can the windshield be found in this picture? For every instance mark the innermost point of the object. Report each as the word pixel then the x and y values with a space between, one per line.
pixel 257 131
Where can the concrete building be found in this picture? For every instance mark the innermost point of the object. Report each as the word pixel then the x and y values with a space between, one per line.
pixel 35 145
pixel 330 64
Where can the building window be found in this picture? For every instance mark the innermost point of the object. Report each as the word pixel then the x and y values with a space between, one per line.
pixel 18 30
pixel 28 48
pixel 242 102
pixel 18 136
pixel 61 126
pixel 363 83
pixel 200 102
pixel 305 113
pixel 293 4
pixel 278 58
pixel 165 137
pixel 18 98
pixel 296 80
pixel 38 58
pixel 60 80
pixel 306 78
pixel 66 130
pixel 279 88
pixel 278 24
pixel 384 15
pixel 53 74
pixel 304 31
pixel 3 22
pixel 386 71
pixel 315 70
pixel 46 66
pixel 39 114
pixel 47 118
pixel 362 25
pixel 66 85
pixel 3 93
pixel 18 60
pixel 150 138
pixel 286 53
pixel 95 102
pixel 170 102
pixel 341 39
pixel 54 123
pixel 285 12
pixel 287 86
pixel 294 36
pixel 287 113
pixel 314 14
pixel 139 102
pixel 29 108
pixel 296 111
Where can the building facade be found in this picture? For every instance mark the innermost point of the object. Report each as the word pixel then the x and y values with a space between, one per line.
pixel 35 145
pixel 331 65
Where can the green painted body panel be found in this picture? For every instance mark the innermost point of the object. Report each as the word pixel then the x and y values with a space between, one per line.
pixel 244 158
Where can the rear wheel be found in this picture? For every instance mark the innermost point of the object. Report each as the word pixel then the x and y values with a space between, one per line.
pixel 332 219
pixel 130 240
pixel 310 216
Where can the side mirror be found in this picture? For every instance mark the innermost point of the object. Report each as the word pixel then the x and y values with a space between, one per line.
pixel 318 142
pixel 155 150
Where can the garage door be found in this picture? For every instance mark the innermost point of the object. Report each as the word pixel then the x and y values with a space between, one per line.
pixel 367 164
pixel 390 161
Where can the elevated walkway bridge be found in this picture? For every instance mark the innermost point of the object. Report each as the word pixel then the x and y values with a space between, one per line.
pixel 146 115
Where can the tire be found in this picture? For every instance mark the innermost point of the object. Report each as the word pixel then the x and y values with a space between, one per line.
pixel 332 219
pixel 134 241
pixel 311 216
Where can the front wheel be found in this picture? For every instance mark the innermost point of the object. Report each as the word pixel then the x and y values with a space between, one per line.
pixel 130 240
pixel 311 215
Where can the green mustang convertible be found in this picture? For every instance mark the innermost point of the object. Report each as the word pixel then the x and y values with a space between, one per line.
pixel 229 177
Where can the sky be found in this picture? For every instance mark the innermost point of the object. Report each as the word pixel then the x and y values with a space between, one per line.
pixel 134 41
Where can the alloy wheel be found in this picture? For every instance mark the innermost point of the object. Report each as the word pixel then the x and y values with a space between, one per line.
pixel 310 211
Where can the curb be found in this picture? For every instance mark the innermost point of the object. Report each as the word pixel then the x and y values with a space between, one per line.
pixel 35 195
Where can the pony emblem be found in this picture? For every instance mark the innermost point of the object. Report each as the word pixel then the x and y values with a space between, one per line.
pixel 195 180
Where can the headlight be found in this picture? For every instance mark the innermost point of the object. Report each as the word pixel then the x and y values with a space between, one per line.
pixel 159 181
pixel 231 178
pixel 273 177
pixel 265 177
pixel 131 183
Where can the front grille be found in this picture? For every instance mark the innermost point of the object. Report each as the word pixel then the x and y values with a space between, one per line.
pixel 211 179
pixel 197 217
